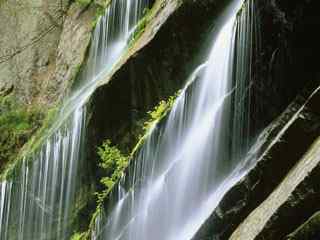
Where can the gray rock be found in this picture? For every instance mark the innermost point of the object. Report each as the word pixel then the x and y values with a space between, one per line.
pixel 41 44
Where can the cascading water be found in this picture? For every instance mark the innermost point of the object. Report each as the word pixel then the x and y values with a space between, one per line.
pixel 39 199
pixel 184 168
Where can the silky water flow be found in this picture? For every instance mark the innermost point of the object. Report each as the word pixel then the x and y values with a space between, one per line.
pixel 187 163
pixel 38 200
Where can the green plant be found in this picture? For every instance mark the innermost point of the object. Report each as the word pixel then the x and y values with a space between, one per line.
pixel 159 111
pixel 113 162
pixel 154 116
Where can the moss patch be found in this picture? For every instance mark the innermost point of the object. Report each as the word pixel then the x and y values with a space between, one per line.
pixel 17 124
pixel 83 2
pixel 100 10
pixel 32 143
pixel 78 236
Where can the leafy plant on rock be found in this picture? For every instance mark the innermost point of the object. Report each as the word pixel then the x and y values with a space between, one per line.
pixel 113 162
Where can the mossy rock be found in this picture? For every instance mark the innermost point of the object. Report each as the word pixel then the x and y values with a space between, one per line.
pixel 17 124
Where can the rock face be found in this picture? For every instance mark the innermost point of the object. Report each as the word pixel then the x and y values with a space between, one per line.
pixel 283 66
pixel 297 196
pixel 297 128
pixel 293 200
pixel 30 32
pixel 43 44
pixel 37 58
pixel 71 52
pixel 287 56
pixel 287 61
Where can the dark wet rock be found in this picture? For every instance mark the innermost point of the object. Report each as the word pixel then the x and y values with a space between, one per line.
pixel 282 145
pixel 308 230
pixel 298 207
pixel 288 55
pixel 293 202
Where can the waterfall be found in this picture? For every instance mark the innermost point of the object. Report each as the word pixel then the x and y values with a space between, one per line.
pixel 40 199
pixel 188 163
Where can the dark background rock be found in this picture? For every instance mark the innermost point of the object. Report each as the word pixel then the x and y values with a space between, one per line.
pixel 308 230
pixel 288 55
pixel 275 159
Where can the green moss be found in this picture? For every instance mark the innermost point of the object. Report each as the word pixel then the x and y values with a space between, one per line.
pixel 140 28
pixel 78 236
pixel 149 15
pixel 32 142
pixel 99 13
pixel 100 10
pixel 17 124
pixel 92 221
pixel 83 2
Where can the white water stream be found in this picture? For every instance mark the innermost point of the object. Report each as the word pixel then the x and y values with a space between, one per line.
pixel 41 198
pixel 186 165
